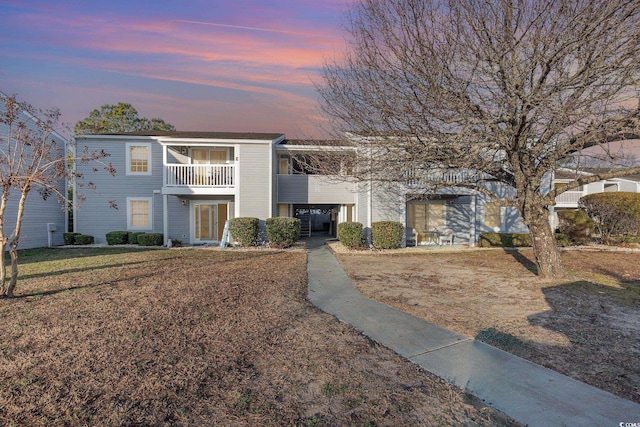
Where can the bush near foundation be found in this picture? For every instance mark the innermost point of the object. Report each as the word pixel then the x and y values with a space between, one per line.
pixel 283 232
pixel 244 230
pixel 84 239
pixel 387 234
pixel 151 239
pixel 117 238
pixel 614 214
pixel 576 225
pixel 351 234
pixel 133 237
pixel 70 238
pixel 504 240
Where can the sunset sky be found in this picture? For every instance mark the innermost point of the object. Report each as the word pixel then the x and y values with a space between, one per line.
pixel 214 65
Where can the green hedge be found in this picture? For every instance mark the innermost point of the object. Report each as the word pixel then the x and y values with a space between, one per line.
pixel 244 230
pixel 84 239
pixel 70 238
pixel 133 237
pixel 117 237
pixel 387 234
pixel 151 239
pixel 351 234
pixel 283 232
pixel 576 224
pixel 513 240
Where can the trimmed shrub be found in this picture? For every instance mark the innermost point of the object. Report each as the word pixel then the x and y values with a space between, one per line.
pixel 387 234
pixel 513 240
pixel 84 239
pixel 133 237
pixel 151 239
pixel 70 238
pixel 351 234
pixel 117 238
pixel 505 240
pixel 283 232
pixel 575 224
pixel 245 230
pixel 614 214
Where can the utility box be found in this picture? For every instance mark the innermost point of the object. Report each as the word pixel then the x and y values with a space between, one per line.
pixel 51 227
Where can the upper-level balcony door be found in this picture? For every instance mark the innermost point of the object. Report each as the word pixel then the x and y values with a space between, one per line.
pixel 207 157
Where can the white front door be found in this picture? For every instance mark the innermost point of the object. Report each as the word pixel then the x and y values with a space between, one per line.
pixel 208 221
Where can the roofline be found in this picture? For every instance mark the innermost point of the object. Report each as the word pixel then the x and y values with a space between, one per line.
pixel 315 148
pixel 168 140
pixel 31 116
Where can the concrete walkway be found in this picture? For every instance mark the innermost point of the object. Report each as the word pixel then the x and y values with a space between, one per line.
pixel 527 392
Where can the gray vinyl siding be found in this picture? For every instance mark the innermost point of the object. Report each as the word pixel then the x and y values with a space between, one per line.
pixel 38 212
pixel 94 216
pixel 255 180
pixel 388 204
pixel 178 220
pixel 314 189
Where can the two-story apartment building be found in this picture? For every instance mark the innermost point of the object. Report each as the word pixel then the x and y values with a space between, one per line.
pixel 187 184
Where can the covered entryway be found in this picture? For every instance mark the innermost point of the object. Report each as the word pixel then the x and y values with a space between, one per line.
pixel 316 219
pixel 430 218
pixel 208 221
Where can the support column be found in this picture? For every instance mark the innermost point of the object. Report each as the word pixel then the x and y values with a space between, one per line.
pixel 165 218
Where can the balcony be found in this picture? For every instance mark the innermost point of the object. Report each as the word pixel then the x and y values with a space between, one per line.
pixel 569 199
pixel 207 179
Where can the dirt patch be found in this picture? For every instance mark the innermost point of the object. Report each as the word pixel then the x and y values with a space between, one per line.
pixel 587 327
pixel 200 337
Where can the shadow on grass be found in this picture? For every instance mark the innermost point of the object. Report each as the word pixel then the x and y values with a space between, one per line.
pixel 172 264
pixel 504 341
pixel 84 269
pixel 523 259
pixel 111 282
pixel 28 256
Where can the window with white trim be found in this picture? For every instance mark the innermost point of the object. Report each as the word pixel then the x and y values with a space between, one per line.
pixel 139 213
pixel 493 215
pixel 138 158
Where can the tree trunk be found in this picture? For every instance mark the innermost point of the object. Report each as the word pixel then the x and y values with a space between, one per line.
pixel 543 239
pixel 14 243
pixel 3 242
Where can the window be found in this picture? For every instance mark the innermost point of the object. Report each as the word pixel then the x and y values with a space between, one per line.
pixel 139 159
pixel 493 215
pixel 283 167
pixel 139 213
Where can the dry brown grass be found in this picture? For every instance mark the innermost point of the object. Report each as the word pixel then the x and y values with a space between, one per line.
pixel 587 326
pixel 199 337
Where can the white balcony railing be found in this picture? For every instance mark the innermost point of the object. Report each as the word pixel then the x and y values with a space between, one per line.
pixel 215 175
pixel 418 177
pixel 569 198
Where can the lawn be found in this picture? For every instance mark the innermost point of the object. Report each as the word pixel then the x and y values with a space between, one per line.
pixel 586 326
pixel 199 337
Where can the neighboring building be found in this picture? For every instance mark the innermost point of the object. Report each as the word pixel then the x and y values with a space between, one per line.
pixel 44 221
pixel 569 199
pixel 187 184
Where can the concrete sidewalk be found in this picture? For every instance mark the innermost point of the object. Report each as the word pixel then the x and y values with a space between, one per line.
pixel 527 392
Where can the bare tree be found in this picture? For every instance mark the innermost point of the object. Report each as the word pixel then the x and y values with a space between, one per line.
pixel 32 157
pixel 496 90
